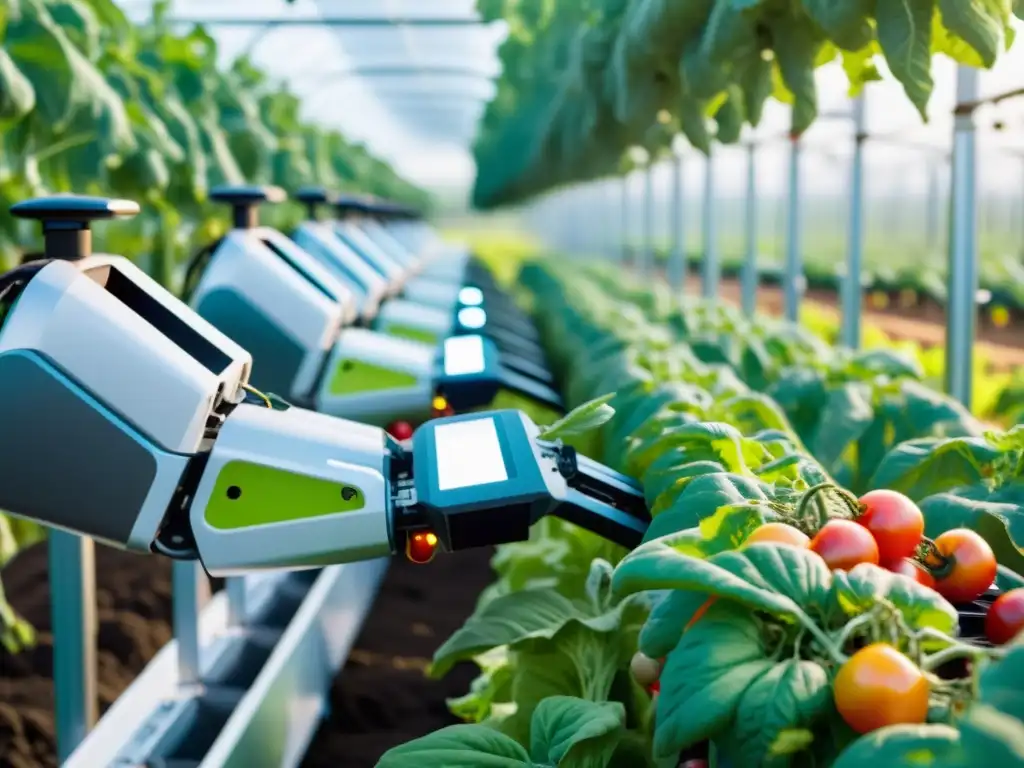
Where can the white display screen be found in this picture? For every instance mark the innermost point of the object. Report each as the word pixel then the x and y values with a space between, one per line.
pixel 468 454
pixel 471 297
pixel 463 354
pixel 472 317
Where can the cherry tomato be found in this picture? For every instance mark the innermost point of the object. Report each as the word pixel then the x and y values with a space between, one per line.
pixel 910 568
pixel 779 533
pixel 654 688
pixel 894 520
pixel 973 569
pixel 879 686
pixel 421 546
pixel 645 669
pixel 400 430
pixel 842 544
pixel 1005 618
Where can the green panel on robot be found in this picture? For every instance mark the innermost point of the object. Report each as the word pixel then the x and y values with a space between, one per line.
pixel 352 376
pixel 411 333
pixel 248 495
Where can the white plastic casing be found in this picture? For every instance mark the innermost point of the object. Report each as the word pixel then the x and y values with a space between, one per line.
pixel 434 290
pixel 399 312
pixel 320 241
pixel 244 265
pixel 355 238
pixel 122 361
pixel 381 406
pixel 309 444
pixel 390 245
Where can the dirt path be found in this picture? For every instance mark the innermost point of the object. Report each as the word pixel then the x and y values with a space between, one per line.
pixel 1004 347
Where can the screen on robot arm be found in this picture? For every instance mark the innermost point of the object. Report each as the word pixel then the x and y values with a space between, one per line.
pixel 463 355
pixel 468 454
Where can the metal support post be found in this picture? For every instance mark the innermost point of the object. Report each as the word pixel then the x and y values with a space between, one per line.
pixel 933 217
pixel 625 219
pixel 72 562
pixel 711 269
pixel 961 312
pixel 677 221
pixel 749 276
pixel 647 249
pixel 855 248
pixel 793 278
pixel 190 590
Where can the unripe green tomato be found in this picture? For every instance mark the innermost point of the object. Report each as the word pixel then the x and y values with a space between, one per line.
pixel 645 669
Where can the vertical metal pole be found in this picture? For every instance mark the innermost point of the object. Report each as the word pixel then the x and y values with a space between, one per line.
pixel 235 589
pixel 73 615
pixel 710 274
pixel 190 588
pixel 625 219
pixel 749 277
pixel 855 247
pixel 961 313
pixel 677 220
pixel 934 205
pixel 793 277
pixel 647 248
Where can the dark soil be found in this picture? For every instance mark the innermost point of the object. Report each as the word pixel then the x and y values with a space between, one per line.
pixel 382 697
pixel 134 613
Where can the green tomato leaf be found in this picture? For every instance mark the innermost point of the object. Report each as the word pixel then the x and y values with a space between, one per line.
pixel 999 684
pixel 581 420
pixel 779 580
pixel 705 677
pixel 667 621
pixel 920 468
pixel 857 590
pixel 985 730
pixel 844 419
pixel 846 22
pixel 904 29
pixel 901 746
pixel 790 696
pixel 459 746
pixel 979 23
pixel 575 733
pixel 1000 524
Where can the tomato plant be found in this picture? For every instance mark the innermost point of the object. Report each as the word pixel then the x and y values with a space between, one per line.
pixel 880 686
pixel 894 521
pixel 967 567
pixel 843 544
pixel 1005 617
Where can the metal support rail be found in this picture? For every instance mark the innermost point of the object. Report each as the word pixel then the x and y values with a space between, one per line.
pixel 259 692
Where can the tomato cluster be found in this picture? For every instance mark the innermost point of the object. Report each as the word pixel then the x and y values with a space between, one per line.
pixel 889 531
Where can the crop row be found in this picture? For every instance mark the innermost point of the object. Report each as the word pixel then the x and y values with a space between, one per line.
pixel 729 425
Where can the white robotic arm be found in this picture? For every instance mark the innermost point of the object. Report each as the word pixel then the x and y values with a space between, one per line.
pixel 126 417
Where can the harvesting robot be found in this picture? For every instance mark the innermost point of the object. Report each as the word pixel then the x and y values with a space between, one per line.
pixel 129 418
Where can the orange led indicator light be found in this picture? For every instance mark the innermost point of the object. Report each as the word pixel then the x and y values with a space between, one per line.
pixel 421 546
pixel 440 404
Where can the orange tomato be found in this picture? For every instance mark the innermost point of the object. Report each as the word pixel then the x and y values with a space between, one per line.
pixel 879 686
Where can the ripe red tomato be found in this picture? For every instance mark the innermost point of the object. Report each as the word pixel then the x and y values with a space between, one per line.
pixel 879 686
pixel 908 567
pixel 1005 618
pixel 974 565
pixel 400 430
pixel 778 533
pixel 842 544
pixel 894 520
